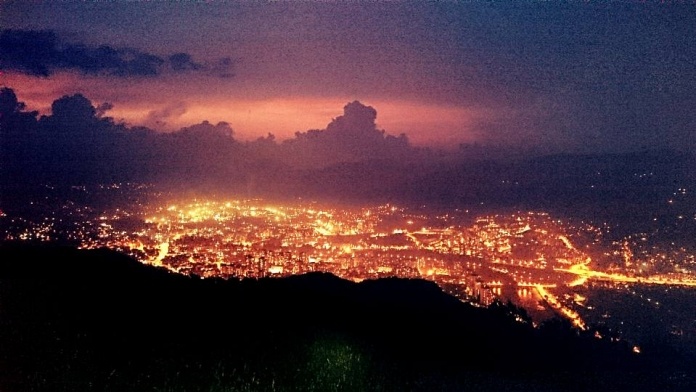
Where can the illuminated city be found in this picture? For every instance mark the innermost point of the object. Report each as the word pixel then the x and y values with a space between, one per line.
pixel 540 263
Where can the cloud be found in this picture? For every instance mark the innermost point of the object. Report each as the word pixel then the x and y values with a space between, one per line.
pixel 74 109
pixel 160 118
pixel 352 137
pixel 42 53
pixel 183 62
pixel 77 143
pixel 206 129
pixel 350 160
pixel 223 68
pixel 31 52
pixel 110 61
pixel 103 108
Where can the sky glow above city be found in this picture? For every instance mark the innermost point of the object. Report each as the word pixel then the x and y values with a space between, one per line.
pixel 570 77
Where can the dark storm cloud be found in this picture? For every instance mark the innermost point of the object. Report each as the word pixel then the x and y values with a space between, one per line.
pixel 32 52
pixel 41 53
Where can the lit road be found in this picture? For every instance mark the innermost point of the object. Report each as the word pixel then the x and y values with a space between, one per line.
pixel 163 251
pixel 583 271
pixel 558 306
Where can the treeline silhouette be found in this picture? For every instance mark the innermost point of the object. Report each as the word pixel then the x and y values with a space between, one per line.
pixel 73 320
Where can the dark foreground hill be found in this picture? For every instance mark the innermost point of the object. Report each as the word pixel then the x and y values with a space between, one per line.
pixel 75 320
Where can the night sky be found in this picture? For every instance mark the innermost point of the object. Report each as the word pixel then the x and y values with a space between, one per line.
pixel 558 77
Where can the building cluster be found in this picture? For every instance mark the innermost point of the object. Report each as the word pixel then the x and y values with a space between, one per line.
pixel 519 256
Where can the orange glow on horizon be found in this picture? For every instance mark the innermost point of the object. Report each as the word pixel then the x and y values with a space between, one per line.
pixel 138 102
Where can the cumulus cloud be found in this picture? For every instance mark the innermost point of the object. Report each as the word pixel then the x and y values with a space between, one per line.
pixel 207 130
pixel 78 143
pixel 41 53
pixel 352 137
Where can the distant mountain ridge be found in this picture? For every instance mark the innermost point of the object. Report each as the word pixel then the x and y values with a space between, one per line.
pixel 538 182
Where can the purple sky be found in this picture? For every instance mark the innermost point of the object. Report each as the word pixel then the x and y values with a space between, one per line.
pixel 560 77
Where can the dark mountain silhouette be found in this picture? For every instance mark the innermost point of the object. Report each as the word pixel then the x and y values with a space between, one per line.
pixel 97 320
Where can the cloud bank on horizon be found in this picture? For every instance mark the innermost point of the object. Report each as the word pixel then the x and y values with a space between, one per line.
pixel 349 160
pixel 78 142
pixel 546 76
